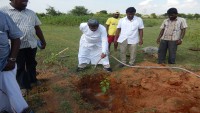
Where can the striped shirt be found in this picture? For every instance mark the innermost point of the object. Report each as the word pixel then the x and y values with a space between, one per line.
pixel 26 20
pixel 173 28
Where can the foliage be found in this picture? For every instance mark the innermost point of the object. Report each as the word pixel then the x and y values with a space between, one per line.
pixel 151 22
pixel 66 106
pixel 195 38
pixel 71 20
pixel 104 84
pixel 138 14
pixel 153 15
pixel 103 12
pixel 79 11
pixel 52 12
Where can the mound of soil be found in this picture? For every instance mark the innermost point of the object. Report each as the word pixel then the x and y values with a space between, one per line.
pixel 134 90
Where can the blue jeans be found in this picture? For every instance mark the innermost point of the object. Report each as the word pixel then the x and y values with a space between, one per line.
pixel 165 45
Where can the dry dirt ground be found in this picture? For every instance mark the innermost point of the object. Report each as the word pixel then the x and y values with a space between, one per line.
pixel 131 90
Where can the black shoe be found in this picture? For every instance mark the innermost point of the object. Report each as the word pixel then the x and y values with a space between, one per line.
pixel 121 65
pixel 108 69
pixel 3 111
pixel 79 69
pixel 27 110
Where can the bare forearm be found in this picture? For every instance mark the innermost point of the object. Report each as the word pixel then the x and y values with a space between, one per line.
pixel 141 34
pixel 183 33
pixel 15 45
pixel 161 33
pixel 40 34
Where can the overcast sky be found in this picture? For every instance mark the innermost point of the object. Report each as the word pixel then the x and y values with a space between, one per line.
pixel 142 6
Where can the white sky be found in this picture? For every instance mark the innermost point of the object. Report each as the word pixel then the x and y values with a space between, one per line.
pixel 142 6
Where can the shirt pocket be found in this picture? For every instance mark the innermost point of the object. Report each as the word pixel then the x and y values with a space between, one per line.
pixel 134 26
pixel 3 38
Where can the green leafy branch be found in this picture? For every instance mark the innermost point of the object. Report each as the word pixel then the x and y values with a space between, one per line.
pixel 105 85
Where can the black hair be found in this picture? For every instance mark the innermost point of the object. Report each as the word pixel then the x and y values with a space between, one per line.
pixel 130 10
pixel 172 11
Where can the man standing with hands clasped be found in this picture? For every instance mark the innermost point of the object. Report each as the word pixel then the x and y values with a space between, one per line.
pixel 129 33
pixel 171 35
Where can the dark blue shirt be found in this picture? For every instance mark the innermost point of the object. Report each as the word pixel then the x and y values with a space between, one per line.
pixel 8 30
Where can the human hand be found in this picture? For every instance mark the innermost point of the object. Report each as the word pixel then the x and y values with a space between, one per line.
pixel 43 45
pixel 140 42
pixel 179 42
pixel 158 40
pixel 103 55
pixel 9 66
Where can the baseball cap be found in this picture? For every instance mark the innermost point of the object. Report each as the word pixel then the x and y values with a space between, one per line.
pixel 116 12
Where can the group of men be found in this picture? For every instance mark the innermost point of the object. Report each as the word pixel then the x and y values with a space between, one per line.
pixel 19 25
pixel 128 32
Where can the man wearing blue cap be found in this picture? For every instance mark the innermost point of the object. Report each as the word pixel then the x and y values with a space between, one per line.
pixel 93 46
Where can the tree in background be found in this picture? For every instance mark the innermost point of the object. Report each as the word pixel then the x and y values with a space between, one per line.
pixel 79 11
pixel 153 15
pixel 103 12
pixel 52 12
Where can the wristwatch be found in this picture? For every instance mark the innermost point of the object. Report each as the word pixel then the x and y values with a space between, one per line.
pixel 12 59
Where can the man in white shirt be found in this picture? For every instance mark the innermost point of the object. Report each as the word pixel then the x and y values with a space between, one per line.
pixel 129 33
pixel 93 46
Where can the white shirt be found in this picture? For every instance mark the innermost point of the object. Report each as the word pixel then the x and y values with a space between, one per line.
pixel 129 29
pixel 26 20
pixel 94 38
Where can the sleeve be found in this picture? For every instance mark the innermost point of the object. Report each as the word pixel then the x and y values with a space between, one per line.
pixel 163 25
pixel 82 26
pixel 183 24
pixel 119 23
pixel 104 40
pixel 13 31
pixel 141 25
pixel 108 22
pixel 37 20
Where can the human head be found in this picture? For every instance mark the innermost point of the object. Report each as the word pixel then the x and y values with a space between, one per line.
pixel 130 12
pixel 93 24
pixel 19 4
pixel 116 14
pixel 172 13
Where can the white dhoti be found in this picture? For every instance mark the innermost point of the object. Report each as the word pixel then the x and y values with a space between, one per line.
pixel 92 55
pixel 11 99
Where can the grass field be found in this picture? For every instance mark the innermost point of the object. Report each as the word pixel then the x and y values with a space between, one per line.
pixel 61 37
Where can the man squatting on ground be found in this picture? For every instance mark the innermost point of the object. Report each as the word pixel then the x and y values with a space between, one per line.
pixel 171 35
pixel 11 99
pixel 93 45
pixel 28 23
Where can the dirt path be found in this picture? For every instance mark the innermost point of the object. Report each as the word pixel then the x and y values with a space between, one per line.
pixel 130 90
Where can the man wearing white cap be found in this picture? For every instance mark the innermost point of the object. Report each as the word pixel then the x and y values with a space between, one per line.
pixel 93 46
pixel 111 27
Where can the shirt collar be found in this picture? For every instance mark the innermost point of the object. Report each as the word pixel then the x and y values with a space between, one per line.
pixel 174 20
pixel 130 20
